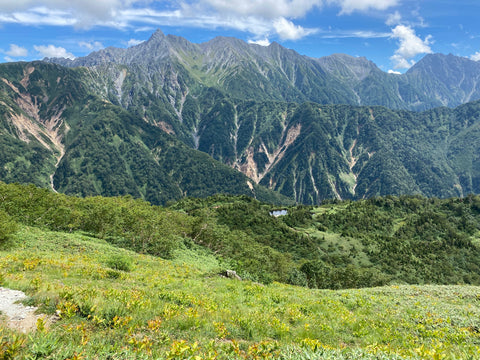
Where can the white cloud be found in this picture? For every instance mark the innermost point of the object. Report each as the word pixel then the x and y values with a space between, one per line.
pixel 476 56
pixel 80 13
pixel 394 72
pixel 149 29
pixel 258 16
pixel 38 16
pixel 261 18
pixel 261 42
pixel 287 30
pixel 272 9
pixel 52 51
pixel 191 18
pixel 133 42
pixel 354 34
pixel 16 51
pixel 95 45
pixel 394 19
pixel 196 17
pixel 400 62
pixel 350 6
pixel 8 59
pixel 151 19
pixel 267 9
pixel 410 45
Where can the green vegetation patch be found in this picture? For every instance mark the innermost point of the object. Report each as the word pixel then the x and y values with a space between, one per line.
pixel 166 310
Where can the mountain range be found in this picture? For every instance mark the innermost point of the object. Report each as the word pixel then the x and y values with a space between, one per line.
pixel 254 72
pixel 169 118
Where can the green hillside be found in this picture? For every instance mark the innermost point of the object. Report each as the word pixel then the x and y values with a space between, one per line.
pixel 140 188
pixel 312 152
pixel 57 134
pixel 391 240
pixel 112 302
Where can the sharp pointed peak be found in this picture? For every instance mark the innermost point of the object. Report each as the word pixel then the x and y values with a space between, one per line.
pixel 157 35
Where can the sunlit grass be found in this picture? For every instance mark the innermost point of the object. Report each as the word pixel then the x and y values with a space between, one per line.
pixel 183 309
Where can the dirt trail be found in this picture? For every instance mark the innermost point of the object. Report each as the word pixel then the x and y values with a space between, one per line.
pixel 17 316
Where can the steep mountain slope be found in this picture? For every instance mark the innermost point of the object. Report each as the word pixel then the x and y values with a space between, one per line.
pixel 182 88
pixel 311 152
pixel 244 105
pixel 242 70
pixel 169 67
pixel 56 133
pixel 307 152
pixel 372 86
pixel 450 79
pixel 32 123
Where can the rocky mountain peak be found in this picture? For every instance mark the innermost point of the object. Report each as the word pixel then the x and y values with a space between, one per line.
pixel 158 35
pixel 225 45
pixel 277 73
pixel 440 63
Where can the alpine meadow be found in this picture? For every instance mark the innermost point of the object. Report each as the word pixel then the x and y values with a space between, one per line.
pixel 227 200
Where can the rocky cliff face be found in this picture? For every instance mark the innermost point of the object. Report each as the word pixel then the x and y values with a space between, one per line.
pixel 34 105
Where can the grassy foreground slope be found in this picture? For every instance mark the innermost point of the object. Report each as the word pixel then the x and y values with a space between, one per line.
pixel 117 304
pixel 133 281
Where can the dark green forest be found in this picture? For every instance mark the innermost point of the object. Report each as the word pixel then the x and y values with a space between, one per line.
pixel 311 152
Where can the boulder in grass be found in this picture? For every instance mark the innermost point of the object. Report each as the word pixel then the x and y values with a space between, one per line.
pixel 231 274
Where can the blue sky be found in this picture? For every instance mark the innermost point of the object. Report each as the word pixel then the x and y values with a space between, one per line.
pixel 392 33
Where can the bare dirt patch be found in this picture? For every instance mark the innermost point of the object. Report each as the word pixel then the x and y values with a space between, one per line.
pixel 18 316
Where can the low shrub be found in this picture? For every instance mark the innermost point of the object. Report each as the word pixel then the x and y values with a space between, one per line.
pixel 8 227
pixel 120 262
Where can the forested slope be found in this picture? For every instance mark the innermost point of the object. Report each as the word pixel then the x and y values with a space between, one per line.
pixel 348 244
pixel 113 129
pixel 57 133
